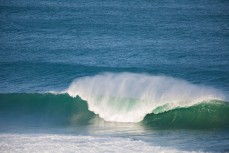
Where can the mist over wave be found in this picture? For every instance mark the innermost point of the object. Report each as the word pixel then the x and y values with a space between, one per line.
pixel 129 97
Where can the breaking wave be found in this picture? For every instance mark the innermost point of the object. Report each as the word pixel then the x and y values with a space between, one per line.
pixel 152 101
pixel 129 97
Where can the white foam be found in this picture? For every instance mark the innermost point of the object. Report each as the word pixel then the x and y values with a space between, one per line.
pixel 128 97
pixel 36 143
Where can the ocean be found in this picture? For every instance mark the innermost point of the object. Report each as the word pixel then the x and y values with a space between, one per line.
pixel 114 76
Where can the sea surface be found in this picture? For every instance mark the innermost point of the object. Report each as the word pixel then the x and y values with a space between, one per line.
pixel 114 76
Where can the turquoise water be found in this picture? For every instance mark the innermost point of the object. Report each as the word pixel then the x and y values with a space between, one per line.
pixel 145 73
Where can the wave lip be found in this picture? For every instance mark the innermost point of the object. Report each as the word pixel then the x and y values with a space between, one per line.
pixel 129 97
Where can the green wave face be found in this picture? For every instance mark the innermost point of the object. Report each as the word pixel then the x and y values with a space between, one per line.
pixel 209 115
pixel 46 109
pixel 64 110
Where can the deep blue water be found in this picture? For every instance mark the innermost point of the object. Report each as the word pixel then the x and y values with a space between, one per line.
pixel 46 44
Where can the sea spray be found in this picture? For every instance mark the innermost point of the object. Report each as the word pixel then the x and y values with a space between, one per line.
pixel 129 97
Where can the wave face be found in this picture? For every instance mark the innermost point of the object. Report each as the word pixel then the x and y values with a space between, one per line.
pixel 23 110
pixel 129 97
pixel 214 114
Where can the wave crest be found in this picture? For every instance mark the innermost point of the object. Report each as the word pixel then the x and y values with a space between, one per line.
pixel 129 97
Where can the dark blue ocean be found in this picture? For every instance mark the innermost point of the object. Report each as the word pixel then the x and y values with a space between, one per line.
pixel 114 76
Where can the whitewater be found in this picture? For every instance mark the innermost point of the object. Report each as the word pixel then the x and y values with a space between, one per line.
pixel 81 144
pixel 129 97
